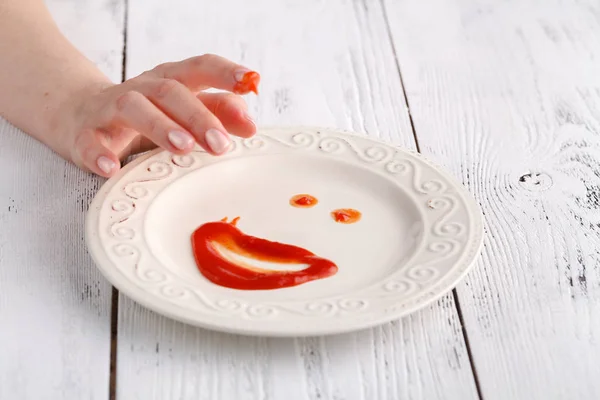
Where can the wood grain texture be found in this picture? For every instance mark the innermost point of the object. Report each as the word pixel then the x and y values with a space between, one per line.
pixel 96 28
pixel 54 304
pixel 507 95
pixel 323 63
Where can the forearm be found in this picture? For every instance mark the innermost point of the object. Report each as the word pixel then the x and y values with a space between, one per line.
pixel 40 70
pixel 52 92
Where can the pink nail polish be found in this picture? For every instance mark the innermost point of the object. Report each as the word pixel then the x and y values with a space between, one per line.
pixel 239 74
pixel 218 141
pixel 181 140
pixel 105 164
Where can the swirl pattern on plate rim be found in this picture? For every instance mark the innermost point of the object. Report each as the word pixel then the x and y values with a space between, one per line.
pixel 416 281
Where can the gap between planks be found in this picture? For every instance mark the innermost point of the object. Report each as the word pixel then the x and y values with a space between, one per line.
pixel 465 335
pixel 114 310
pixel 114 317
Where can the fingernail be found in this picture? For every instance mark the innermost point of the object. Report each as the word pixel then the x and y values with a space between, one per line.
pixel 249 118
pixel 239 74
pixel 218 141
pixel 106 164
pixel 181 140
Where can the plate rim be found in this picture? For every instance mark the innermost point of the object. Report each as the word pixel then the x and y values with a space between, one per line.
pixel 165 309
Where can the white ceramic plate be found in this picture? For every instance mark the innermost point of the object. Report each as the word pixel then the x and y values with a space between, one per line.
pixel 419 234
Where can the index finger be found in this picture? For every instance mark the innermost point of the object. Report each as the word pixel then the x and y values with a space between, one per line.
pixel 209 70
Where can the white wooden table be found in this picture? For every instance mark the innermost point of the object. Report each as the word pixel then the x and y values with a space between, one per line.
pixel 505 94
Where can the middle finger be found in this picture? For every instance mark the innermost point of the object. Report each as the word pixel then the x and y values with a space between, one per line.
pixel 176 100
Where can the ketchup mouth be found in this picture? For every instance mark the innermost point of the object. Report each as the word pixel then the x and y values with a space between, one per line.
pixel 208 238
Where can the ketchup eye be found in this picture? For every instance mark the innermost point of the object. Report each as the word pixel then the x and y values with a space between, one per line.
pixel 346 215
pixel 342 217
pixel 303 201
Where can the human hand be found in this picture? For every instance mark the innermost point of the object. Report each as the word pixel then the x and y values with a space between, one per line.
pixel 164 107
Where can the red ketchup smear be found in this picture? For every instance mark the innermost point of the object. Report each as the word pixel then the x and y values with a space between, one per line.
pixel 224 272
pixel 303 201
pixel 249 83
pixel 346 215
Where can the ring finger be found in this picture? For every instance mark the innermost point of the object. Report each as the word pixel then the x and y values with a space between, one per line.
pixel 133 110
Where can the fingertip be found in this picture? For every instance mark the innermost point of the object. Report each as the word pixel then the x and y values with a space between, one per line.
pixel 107 166
pixel 231 110
pixel 240 124
pixel 249 124
pixel 181 141
pixel 246 81
pixel 218 141
pixel 181 152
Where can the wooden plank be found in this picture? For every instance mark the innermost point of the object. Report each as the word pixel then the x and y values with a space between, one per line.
pixel 54 303
pixel 323 63
pixel 507 95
